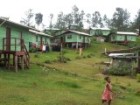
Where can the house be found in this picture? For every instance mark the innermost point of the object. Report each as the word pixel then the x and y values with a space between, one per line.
pixel 73 39
pixel 14 44
pixel 11 30
pixel 51 31
pixel 39 39
pixel 101 34
pixel 15 41
pixel 123 37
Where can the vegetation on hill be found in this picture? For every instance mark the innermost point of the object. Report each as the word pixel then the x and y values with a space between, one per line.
pixel 77 82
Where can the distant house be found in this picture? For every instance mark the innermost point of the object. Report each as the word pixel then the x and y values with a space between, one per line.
pixel 123 37
pixel 73 39
pixel 101 34
pixel 39 39
pixel 51 31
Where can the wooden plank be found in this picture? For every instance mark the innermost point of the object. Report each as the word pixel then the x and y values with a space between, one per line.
pixel 125 50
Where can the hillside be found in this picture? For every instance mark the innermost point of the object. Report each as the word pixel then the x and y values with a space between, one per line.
pixel 87 64
pixel 77 82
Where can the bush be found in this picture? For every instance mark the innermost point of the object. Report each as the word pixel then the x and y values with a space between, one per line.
pixel 48 62
pixel 121 69
pixel 78 57
pixel 88 56
pixel 138 77
pixel 36 55
pixel 33 50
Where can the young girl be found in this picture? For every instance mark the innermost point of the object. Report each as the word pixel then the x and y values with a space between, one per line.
pixel 107 94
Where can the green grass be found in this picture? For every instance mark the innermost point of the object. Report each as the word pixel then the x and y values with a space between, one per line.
pixel 77 82
pixel 39 86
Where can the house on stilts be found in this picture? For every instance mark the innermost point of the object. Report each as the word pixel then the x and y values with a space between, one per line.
pixel 15 43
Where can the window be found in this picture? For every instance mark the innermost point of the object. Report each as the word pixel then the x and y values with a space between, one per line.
pixel 80 37
pixel 36 38
pixel 69 36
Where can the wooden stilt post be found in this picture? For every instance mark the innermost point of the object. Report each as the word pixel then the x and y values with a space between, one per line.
pixel 8 61
pixel 22 62
pixel 16 63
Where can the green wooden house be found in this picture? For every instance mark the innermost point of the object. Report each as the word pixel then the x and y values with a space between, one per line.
pixel 14 44
pixel 73 39
pixel 39 39
pixel 101 34
pixel 13 32
pixel 123 37
pixel 15 40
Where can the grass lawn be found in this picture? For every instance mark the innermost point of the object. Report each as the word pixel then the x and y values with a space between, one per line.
pixel 39 86
pixel 77 82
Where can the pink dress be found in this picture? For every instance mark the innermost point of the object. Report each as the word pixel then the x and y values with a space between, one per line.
pixel 107 94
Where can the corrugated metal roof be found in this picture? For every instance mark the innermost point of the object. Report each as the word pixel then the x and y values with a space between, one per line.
pixel 95 28
pixel 14 23
pixel 78 32
pixel 40 33
pixel 73 31
pixel 126 33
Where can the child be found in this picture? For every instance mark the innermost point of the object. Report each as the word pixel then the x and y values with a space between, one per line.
pixel 107 94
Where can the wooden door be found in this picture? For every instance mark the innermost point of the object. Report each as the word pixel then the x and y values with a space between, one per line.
pixel 8 38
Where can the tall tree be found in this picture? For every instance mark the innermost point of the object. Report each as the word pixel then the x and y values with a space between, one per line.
pixel 77 16
pixel 121 19
pixel 97 19
pixel 51 18
pixel 75 13
pixel 60 21
pixel 106 21
pixel 68 20
pixel 28 16
pixel 88 20
pixel 137 21
pixel 81 17
pixel 38 18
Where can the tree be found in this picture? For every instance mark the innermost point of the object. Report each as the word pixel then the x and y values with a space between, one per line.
pixel 60 21
pixel 121 19
pixel 137 21
pixel 77 16
pixel 88 19
pixel 28 16
pixel 106 21
pixel 68 20
pixel 38 18
pixel 75 13
pixel 81 17
pixel 97 19
pixel 51 17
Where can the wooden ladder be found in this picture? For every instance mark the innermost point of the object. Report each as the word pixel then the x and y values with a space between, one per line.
pixel 26 55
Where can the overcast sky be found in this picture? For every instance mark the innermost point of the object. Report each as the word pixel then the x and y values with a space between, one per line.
pixel 15 9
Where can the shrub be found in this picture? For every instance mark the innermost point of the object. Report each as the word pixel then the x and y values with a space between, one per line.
pixel 84 56
pixel 48 62
pixel 32 50
pixel 88 56
pixel 36 55
pixel 138 77
pixel 138 92
pixel 62 58
pixel 78 57
pixel 121 69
